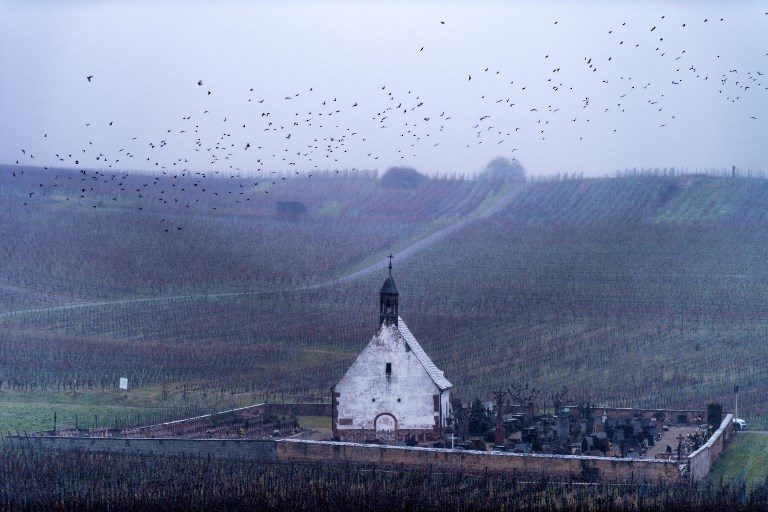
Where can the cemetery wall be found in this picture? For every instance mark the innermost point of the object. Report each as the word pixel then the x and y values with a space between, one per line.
pixel 670 416
pixel 554 466
pixel 575 467
pixel 560 467
pixel 197 421
pixel 701 461
pixel 245 449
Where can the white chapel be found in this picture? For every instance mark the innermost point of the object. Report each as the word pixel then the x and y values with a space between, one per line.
pixel 393 390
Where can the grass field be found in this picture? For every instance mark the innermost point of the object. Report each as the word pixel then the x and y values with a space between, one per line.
pixel 37 410
pixel 314 421
pixel 745 459
pixel 37 416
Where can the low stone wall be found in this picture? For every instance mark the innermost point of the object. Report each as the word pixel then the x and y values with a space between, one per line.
pixel 204 419
pixel 670 416
pixel 701 461
pixel 688 416
pixel 560 467
pixel 246 449
pixel 281 409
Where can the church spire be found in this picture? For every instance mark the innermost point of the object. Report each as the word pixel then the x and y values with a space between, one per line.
pixel 388 298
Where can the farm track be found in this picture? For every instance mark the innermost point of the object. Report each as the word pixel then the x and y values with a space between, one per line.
pixel 411 250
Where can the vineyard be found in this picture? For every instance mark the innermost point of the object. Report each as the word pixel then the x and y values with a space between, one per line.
pixel 86 481
pixel 633 291
pixel 128 244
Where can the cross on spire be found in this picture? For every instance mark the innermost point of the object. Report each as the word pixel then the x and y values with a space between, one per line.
pixel 390 264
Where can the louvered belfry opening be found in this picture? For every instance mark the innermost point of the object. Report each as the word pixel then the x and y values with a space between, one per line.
pixel 388 306
pixel 388 298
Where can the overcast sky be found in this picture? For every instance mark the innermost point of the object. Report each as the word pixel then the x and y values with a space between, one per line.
pixel 693 96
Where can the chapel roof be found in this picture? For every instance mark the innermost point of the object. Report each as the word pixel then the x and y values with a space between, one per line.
pixel 437 375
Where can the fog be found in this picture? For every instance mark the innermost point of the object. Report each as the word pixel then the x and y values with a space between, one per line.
pixel 697 98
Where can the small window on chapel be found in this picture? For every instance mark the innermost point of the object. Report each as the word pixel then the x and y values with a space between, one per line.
pixel 389 369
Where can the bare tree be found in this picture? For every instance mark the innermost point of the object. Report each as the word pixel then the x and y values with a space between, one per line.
pixel 559 398
pixel 524 394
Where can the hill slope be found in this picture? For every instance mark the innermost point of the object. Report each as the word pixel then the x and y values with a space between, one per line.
pixel 629 291
pixel 142 235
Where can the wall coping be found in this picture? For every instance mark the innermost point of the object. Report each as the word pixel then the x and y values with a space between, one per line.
pixel 478 452
pixel 629 409
pixel 714 437
pixel 195 418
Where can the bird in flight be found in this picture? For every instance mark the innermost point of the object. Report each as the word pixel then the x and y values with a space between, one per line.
pixel 89 77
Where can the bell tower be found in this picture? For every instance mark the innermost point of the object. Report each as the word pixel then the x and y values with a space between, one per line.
pixel 388 299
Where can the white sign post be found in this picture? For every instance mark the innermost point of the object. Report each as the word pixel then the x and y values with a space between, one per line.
pixel 123 383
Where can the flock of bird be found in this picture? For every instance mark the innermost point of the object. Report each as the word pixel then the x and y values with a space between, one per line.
pixel 304 140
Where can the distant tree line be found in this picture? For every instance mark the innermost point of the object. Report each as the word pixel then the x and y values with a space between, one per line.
pixel 720 172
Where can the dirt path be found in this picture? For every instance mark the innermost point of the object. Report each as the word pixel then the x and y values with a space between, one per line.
pixel 415 248
pixel 418 246
pixel 668 438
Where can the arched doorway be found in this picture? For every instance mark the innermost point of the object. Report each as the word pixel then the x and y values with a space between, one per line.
pixel 385 422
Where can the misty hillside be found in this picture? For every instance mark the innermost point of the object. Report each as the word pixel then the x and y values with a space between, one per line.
pixel 638 290
pixel 137 236
pixel 643 199
pixel 73 237
pixel 131 236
